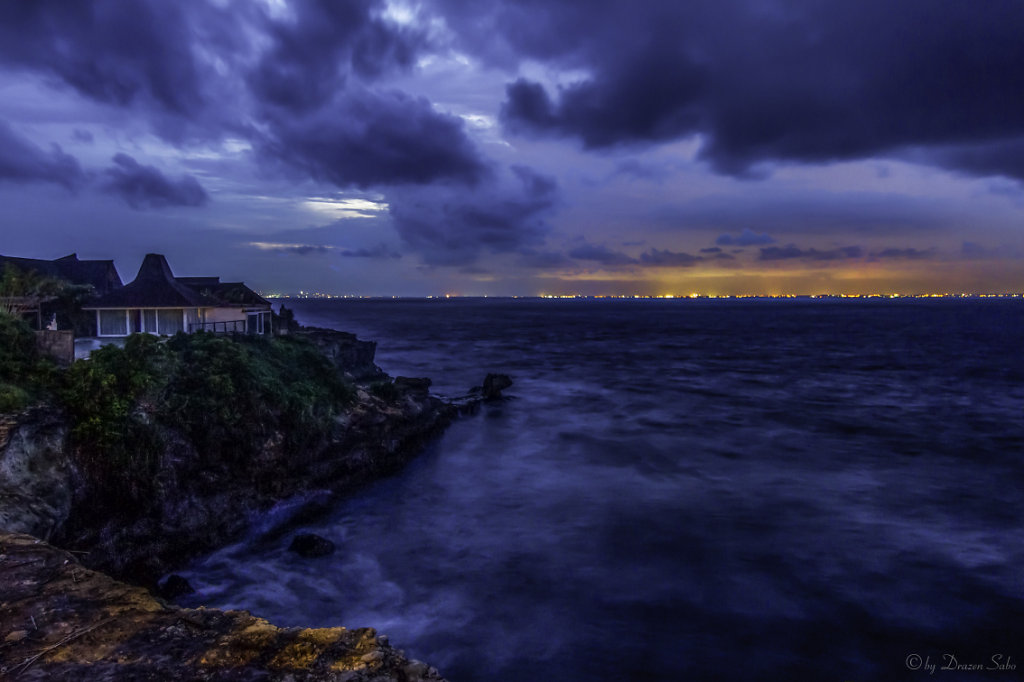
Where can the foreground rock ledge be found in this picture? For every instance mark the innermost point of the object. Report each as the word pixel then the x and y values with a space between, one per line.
pixel 62 621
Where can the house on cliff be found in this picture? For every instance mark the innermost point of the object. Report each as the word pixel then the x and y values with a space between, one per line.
pixel 157 302
pixel 101 275
pixel 29 290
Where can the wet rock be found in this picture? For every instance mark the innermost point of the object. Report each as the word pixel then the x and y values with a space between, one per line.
pixel 311 546
pixel 68 623
pixel 174 586
pixel 414 385
pixel 494 384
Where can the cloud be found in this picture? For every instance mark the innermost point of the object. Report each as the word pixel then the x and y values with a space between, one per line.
pixel 746 238
pixel 290 248
pixel 665 258
pixel 449 225
pixel 321 45
pixel 601 254
pixel 548 260
pixel 111 53
pixel 902 254
pixel 146 187
pixel 298 82
pixel 792 80
pixel 369 138
pixel 22 161
pixel 380 251
pixel 791 252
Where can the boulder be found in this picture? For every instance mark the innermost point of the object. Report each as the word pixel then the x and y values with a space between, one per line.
pixel 414 385
pixel 494 384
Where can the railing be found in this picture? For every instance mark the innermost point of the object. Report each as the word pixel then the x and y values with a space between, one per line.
pixel 226 327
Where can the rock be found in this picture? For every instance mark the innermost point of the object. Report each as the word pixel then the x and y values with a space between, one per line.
pixel 175 586
pixel 310 546
pixel 416 386
pixel 350 355
pixel 35 473
pixel 494 384
pixel 79 624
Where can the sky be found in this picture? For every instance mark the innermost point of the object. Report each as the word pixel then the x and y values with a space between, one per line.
pixel 522 147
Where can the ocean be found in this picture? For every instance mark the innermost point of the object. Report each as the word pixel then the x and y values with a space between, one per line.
pixel 679 490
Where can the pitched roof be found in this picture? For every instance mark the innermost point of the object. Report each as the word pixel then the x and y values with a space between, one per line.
pixel 100 274
pixel 154 287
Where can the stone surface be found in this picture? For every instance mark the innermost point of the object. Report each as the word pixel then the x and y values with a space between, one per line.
pixel 62 621
pixel 352 356
pixel 35 473
pixel 494 384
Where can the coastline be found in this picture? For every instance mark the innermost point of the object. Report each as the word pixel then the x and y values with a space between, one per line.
pixel 196 509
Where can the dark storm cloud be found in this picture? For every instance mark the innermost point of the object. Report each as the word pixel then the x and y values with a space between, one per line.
pixel 846 212
pixel 146 187
pixel 381 251
pixel 298 85
pixel 792 80
pixel 746 238
pixel 315 51
pixel 22 161
pixel 369 138
pixel 451 225
pixel 109 51
pixel 791 252
pixel 1000 157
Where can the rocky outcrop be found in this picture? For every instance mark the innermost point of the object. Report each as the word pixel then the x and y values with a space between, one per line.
pixel 35 472
pixel 62 621
pixel 199 506
pixel 494 384
pixel 349 354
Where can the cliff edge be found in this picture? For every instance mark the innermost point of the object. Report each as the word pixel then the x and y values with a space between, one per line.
pixel 62 621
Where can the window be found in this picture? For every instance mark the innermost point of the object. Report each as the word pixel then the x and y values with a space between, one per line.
pixel 113 323
pixel 170 321
pixel 149 321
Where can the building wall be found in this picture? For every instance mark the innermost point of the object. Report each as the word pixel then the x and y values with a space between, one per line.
pixel 58 344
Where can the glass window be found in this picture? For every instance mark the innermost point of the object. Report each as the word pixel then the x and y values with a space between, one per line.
pixel 149 321
pixel 170 320
pixel 113 323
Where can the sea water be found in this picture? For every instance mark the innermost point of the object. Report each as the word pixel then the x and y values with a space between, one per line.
pixel 672 490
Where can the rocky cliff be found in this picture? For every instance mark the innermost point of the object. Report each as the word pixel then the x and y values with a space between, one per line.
pixel 62 621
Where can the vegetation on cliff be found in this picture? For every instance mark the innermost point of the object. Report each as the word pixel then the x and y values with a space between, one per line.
pixel 24 376
pixel 226 396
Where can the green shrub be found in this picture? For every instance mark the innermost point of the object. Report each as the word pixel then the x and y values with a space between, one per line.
pixel 113 436
pixel 24 376
pixel 227 395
